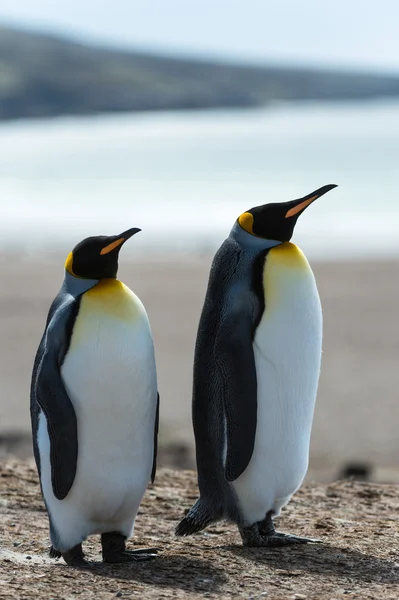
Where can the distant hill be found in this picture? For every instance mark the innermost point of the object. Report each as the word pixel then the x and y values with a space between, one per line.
pixel 43 75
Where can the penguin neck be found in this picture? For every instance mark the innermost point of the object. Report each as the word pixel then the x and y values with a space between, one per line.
pixel 251 242
pixel 76 285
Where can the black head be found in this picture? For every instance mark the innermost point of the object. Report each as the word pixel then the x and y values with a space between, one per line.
pixel 97 257
pixel 277 221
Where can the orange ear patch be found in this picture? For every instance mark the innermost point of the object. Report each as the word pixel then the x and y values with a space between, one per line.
pixel 112 246
pixel 246 220
pixel 68 264
pixel 296 209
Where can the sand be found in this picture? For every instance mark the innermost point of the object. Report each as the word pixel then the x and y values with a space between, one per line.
pixel 357 559
pixel 357 414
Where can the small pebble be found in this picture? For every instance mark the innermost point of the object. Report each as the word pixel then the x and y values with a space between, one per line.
pixel 118 594
pixel 28 557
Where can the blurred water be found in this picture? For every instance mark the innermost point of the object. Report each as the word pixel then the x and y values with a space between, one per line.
pixel 185 177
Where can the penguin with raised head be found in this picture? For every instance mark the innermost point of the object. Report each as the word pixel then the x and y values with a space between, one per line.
pixel 95 406
pixel 256 372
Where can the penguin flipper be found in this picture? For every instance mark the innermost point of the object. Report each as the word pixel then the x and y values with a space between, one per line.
pixel 156 427
pixel 53 399
pixel 235 359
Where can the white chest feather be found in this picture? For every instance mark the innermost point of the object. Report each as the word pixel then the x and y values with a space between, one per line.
pixel 110 376
pixel 109 372
pixel 287 349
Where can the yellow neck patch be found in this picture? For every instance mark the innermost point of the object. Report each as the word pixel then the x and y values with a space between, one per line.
pixel 288 255
pixel 285 273
pixel 246 221
pixel 111 297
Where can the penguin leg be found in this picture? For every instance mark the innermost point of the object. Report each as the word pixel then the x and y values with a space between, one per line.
pixel 75 557
pixel 263 534
pixel 114 550
pixel 250 536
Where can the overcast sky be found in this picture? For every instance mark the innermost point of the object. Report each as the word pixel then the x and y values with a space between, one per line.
pixel 350 33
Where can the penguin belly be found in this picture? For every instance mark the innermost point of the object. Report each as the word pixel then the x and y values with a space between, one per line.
pixel 287 350
pixel 110 376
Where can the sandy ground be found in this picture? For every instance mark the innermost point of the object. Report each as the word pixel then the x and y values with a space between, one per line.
pixel 358 524
pixel 357 414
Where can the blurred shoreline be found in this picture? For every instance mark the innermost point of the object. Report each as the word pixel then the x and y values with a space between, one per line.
pixel 46 75
pixel 357 410
pixel 184 178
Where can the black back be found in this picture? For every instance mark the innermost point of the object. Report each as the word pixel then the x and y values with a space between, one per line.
pixel 225 383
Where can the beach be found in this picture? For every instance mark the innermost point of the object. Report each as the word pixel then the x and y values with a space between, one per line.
pixel 184 178
pixel 357 411
pixel 356 522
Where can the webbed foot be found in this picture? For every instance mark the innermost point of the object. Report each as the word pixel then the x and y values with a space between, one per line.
pixel 127 556
pixel 263 535
pixel 288 538
pixel 114 550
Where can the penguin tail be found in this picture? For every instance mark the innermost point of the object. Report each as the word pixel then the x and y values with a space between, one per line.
pixel 197 518
pixel 54 553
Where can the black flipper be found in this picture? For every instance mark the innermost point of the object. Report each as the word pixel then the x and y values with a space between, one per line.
pixel 234 357
pixel 225 385
pixel 48 393
pixel 156 427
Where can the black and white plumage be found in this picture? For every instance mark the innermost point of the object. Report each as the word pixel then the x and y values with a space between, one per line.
pixel 256 371
pixel 94 405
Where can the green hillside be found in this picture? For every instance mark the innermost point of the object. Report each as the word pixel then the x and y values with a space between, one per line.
pixel 43 75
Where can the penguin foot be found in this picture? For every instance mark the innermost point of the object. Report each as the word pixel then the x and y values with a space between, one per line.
pixel 114 550
pixel 144 551
pixel 263 535
pixel 282 539
pixel 75 557
pixel 129 556
pixel 252 538
pixel 296 539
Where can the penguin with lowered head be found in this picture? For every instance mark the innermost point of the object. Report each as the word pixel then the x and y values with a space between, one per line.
pixel 256 371
pixel 95 406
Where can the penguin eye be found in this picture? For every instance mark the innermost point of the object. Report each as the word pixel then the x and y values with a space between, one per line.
pixel 112 246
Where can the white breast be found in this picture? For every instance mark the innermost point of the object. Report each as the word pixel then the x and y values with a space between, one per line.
pixel 287 349
pixel 110 376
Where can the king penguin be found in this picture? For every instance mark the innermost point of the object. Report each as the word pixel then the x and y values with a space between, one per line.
pixel 95 406
pixel 256 371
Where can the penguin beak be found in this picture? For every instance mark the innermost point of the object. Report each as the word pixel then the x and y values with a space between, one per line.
pixel 120 239
pixel 297 206
pixel 129 233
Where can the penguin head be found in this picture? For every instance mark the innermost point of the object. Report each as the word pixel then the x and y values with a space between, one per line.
pixel 97 257
pixel 276 221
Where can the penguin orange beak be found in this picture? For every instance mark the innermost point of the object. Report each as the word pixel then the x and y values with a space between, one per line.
pixel 300 205
pixel 120 239
pixel 129 233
